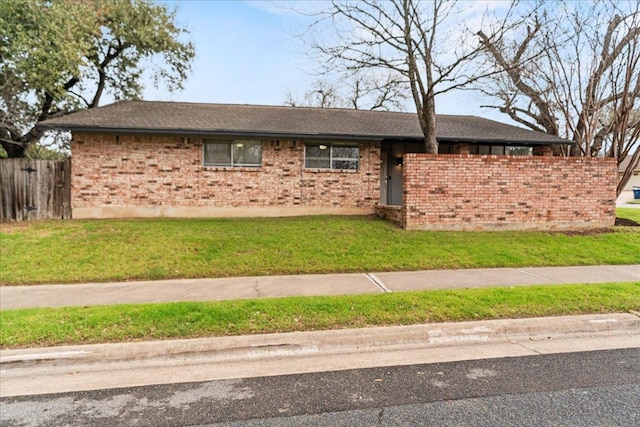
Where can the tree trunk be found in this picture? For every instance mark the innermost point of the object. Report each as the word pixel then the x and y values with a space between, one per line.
pixel 14 150
pixel 429 120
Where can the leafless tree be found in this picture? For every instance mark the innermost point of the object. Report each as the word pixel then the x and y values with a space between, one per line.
pixel 423 45
pixel 378 92
pixel 583 81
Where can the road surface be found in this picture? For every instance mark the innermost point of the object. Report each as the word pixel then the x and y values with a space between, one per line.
pixel 585 388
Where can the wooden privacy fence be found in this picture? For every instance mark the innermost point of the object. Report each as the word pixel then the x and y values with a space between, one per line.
pixel 34 189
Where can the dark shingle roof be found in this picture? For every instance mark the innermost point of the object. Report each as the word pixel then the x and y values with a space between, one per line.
pixel 280 121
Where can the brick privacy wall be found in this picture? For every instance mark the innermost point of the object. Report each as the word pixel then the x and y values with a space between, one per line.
pixel 126 170
pixel 465 192
pixel 390 213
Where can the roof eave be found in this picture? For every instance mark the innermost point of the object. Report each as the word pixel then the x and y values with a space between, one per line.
pixel 507 141
pixel 211 133
pixel 284 135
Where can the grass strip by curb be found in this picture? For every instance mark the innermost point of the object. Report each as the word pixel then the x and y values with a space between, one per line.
pixel 120 323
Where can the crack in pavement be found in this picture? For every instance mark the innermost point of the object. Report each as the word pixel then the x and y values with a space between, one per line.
pixel 538 276
pixel 520 344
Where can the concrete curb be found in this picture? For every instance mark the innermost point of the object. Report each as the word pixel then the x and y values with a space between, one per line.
pixel 104 366
pixel 331 341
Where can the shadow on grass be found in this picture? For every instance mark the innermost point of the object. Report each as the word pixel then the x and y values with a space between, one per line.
pixel 624 222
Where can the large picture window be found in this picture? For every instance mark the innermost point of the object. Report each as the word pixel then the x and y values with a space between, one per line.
pixel 331 156
pixel 238 153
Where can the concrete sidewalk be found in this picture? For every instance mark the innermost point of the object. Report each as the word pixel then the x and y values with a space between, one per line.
pixel 15 297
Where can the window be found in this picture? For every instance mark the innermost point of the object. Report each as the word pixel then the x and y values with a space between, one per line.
pixel 519 151
pixel 444 148
pixel 501 150
pixel 497 150
pixel 480 149
pixel 331 156
pixel 238 153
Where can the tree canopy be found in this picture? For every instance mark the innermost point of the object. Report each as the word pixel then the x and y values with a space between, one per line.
pixel 415 49
pixel 61 56
pixel 571 69
pixel 582 80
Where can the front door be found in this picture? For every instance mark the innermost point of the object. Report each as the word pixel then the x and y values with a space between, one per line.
pixel 384 179
pixel 390 179
pixel 394 170
pixel 391 169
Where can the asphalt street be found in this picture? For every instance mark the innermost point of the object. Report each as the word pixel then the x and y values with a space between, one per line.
pixel 610 406
pixel 587 388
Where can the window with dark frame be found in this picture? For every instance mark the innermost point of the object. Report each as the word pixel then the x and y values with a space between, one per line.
pixel 236 153
pixel 331 156
pixel 501 150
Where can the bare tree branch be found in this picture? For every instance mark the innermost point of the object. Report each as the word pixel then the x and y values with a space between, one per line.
pixel 410 40
pixel 582 81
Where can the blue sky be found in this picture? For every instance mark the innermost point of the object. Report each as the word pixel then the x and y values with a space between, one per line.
pixel 247 53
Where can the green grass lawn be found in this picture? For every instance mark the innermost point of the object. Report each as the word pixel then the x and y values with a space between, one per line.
pixel 82 325
pixel 116 250
pixel 629 213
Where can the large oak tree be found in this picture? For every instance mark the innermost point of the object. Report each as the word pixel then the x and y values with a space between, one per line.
pixel 61 56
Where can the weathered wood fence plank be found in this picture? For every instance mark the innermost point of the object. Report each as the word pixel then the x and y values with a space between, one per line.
pixel 34 189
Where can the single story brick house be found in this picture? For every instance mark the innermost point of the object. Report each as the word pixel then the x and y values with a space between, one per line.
pixel 151 159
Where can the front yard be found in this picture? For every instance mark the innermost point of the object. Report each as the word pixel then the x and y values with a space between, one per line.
pixel 112 250
pixel 119 250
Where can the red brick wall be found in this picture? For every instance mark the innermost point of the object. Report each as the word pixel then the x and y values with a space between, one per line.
pixel 128 170
pixel 462 192
pixel 390 213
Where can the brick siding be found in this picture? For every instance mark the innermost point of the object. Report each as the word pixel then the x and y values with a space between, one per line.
pixel 463 192
pixel 130 171
pixel 390 213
